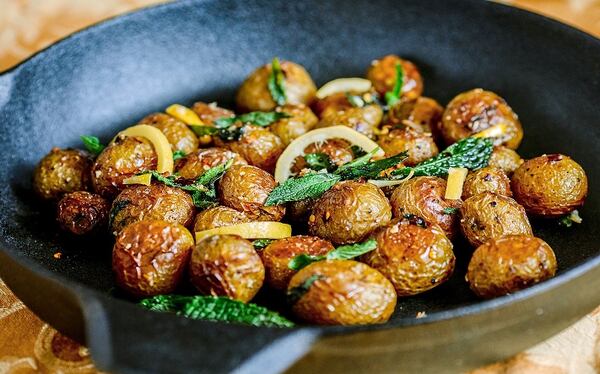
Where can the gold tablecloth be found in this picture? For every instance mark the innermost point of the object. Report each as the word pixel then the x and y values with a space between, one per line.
pixel 28 345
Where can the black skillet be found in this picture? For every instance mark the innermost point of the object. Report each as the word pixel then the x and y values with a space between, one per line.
pixel 109 76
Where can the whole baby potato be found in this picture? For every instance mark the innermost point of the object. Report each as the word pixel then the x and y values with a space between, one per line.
pixel 257 145
pixel 82 212
pixel 301 121
pixel 383 74
pixel 506 159
pixel 197 163
pixel 218 216
pixel 62 171
pixel 179 135
pixel 419 146
pixel 490 179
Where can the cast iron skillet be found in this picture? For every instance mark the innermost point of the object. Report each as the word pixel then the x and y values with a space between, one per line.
pixel 109 76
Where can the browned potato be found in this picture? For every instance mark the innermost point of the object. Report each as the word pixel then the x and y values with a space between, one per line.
pixel 364 120
pixel 550 185
pixel 422 113
pixel 476 110
pixel 349 212
pixel 246 188
pixel 277 256
pixel 505 159
pixel 218 216
pixel 179 135
pixel 62 171
pixel 82 212
pixel 341 292
pixel 338 151
pixel 208 113
pixel 382 73
pixel 419 145
pixel 414 255
pixel 258 145
pixel 302 120
pixel 149 257
pixel 197 163
pixel 226 265
pixel 508 264
pixel 154 202
pixel 123 158
pixel 297 212
pixel 488 216
pixel 489 179
pixel 334 102
pixel 254 93
pixel 424 197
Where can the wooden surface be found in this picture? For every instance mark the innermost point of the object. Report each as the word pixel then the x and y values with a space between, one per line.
pixel 27 345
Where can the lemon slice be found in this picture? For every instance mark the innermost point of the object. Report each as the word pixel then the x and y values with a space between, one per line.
pixel 495 131
pixel 456 180
pixel 356 85
pixel 159 142
pixel 143 179
pixel 251 230
pixel 184 114
pixel 296 147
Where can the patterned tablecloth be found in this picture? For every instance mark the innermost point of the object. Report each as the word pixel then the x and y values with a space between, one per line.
pixel 28 345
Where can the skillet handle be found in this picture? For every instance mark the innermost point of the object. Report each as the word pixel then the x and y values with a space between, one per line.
pixel 125 338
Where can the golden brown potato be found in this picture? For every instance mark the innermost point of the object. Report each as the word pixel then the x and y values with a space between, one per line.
pixel 341 292
pixel 149 257
pixel 208 113
pixel 82 213
pixel 62 171
pixel 476 110
pixel 246 188
pixel 508 264
pixel 257 145
pixel 334 102
pixel 338 151
pixel 197 163
pixel 254 93
pixel 302 120
pixel 414 255
pixel 349 212
pixel 419 145
pixel 219 216
pixel 488 216
pixel 490 179
pixel 550 185
pixel 123 158
pixel 179 135
pixel 154 202
pixel 422 113
pixel 382 73
pixel 277 256
pixel 364 120
pixel 226 265
pixel 424 197
pixel 505 159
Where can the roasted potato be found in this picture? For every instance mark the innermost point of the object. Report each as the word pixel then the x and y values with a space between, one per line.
pixel 419 146
pixel 246 188
pixel 254 94
pixel 218 216
pixel 338 151
pixel 226 265
pixel 298 212
pixel 414 255
pixel 506 159
pixel 476 110
pixel 149 257
pixel 349 212
pixel 334 102
pixel 257 145
pixel 301 121
pixel 208 113
pixel 154 202
pixel 362 119
pixel 277 256
pixel 550 185
pixel 82 212
pixel 510 263
pixel 424 197
pixel 197 163
pixel 382 73
pixel 489 216
pixel 422 114
pixel 341 292
pixel 62 171
pixel 490 179
pixel 179 135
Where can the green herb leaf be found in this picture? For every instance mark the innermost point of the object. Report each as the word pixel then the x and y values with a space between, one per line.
pixel 303 260
pixel 276 83
pixel 570 219
pixel 360 161
pixel 345 252
pixel 204 130
pixel 371 170
pixel 297 292
pixel 357 151
pixel 178 154
pixel 391 97
pixel 262 119
pixel 261 243
pixel 319 161
pixel 309 186
pixel 92 144
pixel 450 210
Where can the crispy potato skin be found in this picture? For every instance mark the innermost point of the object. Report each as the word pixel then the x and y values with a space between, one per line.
pixel 349 212
pixel 179 135
pixel 257 145
pixel 420 146
pixel 338 151
pixel 246 188
pixel 226 265
pixel 254 94
pixel 302 120
pixel 219 216
pixel 277 256
pixel 62 171
pixel 197 163
pixel 476 110
pixel 154 202
pixel 424 197
pixel 508 264
pixel 123 158
pixel 346 293
pixel 414 258
pixel 506 159
pixel 149 257
pixel 423 113
pixel 382 73
pixel 490 179
pixel 82 212
pixel 488 216
pixel 364 120
pixel 550 185
pixel 208 113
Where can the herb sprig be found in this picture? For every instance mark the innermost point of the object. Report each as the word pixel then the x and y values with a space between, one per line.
pixel 276 83
pixel 392 97
pixel 92 144
pixel 345 252
pixel 319 161
pixel 178 155
pixel 231 128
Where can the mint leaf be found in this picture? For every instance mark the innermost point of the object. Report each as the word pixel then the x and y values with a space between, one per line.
pixel 178 154
pixel 309 186
pixel 345 252
pixel 262 119
pixel 391 97
pixel 261 243
pixel 92 144
pixel 319 161
pixel 204 130
pixel 276 83
pixel 450 210
pixel 371 170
